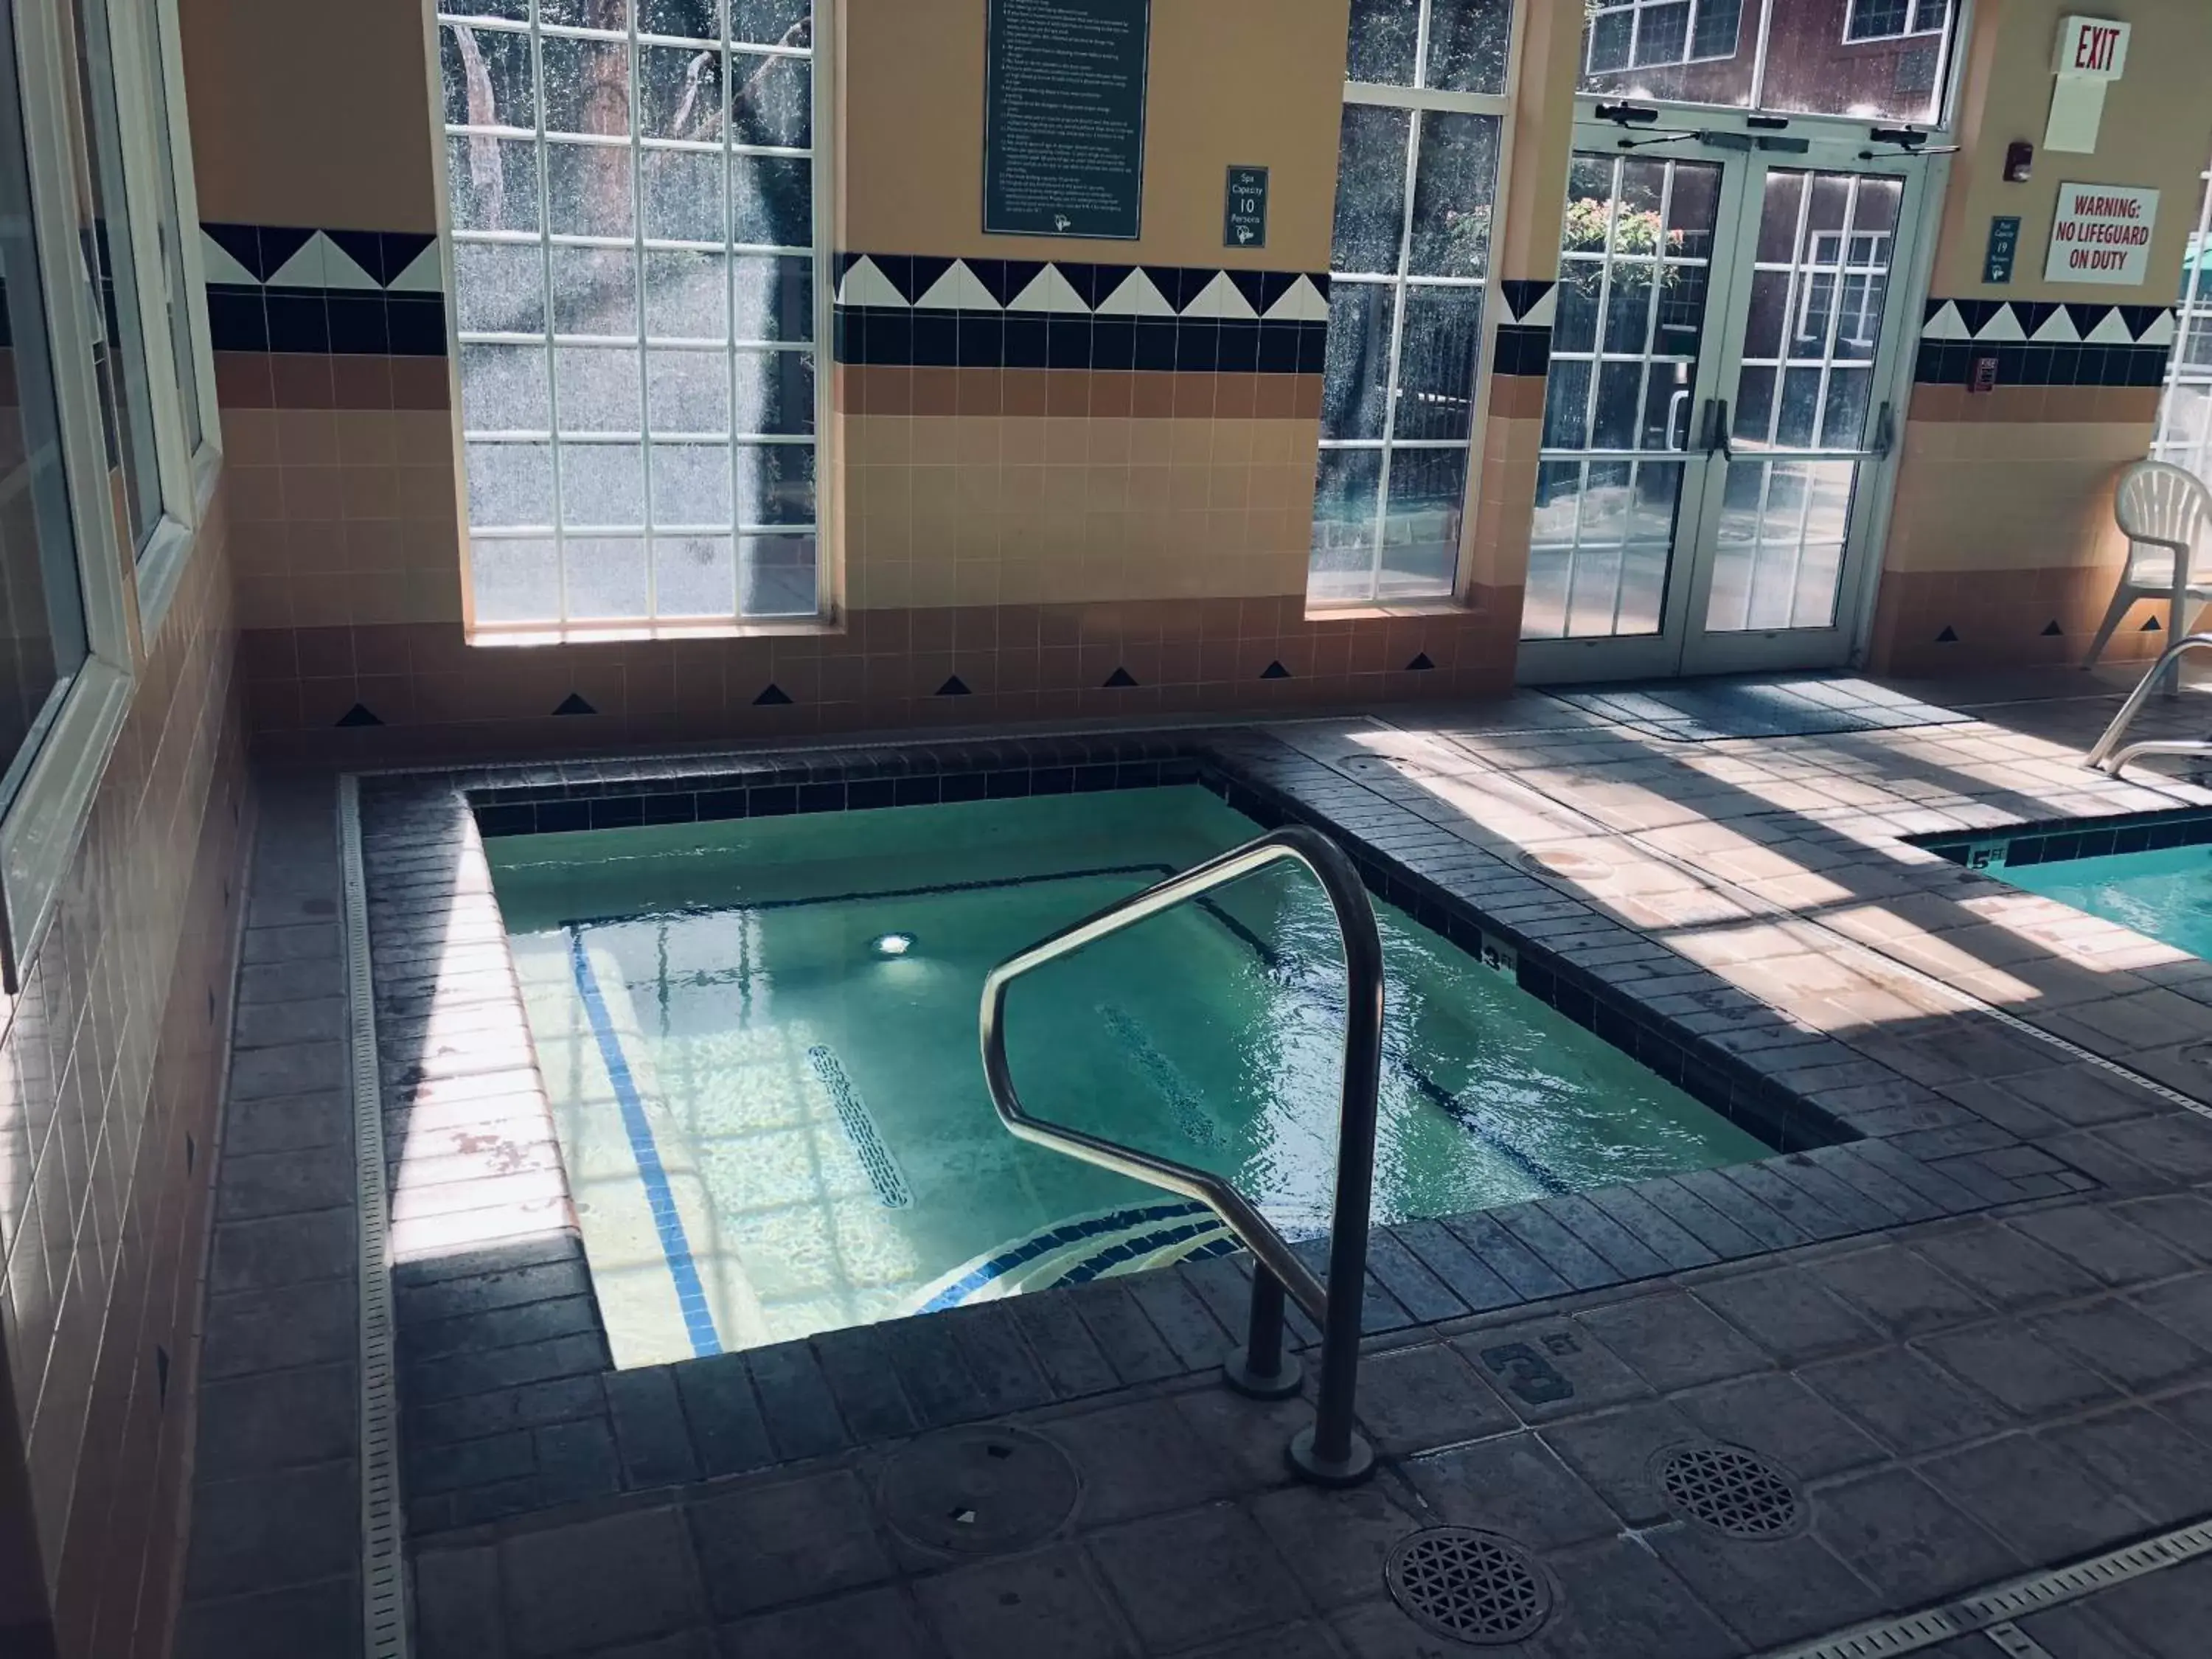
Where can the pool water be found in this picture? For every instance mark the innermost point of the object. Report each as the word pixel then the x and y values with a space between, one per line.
pixel 2167 895
pixel 759 1039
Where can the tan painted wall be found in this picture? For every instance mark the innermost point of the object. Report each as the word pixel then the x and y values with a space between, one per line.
pixel 2157 132
pixel 310 112
pixel 1242 82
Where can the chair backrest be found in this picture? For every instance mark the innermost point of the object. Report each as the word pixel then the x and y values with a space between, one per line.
pixel 2157 502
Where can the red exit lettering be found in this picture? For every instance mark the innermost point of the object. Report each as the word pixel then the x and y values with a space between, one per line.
pixel 2093 50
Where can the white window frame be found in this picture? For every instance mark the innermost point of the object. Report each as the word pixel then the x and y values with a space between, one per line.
pixel 1911 31
pixel 46 790
pixel 1417 99
pixel 2193 325
pixel 829 561
pixel 1636 30
pixel 187 477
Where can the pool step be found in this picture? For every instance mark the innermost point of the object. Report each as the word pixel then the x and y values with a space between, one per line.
pixel 1128 1238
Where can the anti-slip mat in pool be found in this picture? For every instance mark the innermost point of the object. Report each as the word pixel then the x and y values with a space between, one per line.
pixel 1763 706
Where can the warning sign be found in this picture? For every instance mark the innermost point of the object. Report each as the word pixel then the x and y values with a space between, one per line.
pixel 2102 234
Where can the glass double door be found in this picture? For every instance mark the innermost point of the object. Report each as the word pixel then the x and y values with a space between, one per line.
pixel 1725 351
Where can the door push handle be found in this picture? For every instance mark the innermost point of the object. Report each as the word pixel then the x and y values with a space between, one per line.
pixel 1884 432
pixel 1675 405
pixel 1717 429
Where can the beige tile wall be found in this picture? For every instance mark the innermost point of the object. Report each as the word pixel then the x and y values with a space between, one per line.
pixel 109 1062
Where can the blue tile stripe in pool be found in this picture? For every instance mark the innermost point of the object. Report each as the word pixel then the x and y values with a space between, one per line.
pixel 690 1294
pixel 1031 1249
pixel 859 1125
pixel 1132 1249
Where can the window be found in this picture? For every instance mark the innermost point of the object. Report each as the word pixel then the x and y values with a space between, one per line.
pixel 1409 262
pixel 1633 33
pixel 631 187
pixel 2185 414
pixel 1893 20
pixel 1865 278
pixel 92 448
pixel 174 228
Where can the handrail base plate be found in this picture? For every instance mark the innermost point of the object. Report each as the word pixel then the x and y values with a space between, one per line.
pixel 1354 1467
pixel 1285 1380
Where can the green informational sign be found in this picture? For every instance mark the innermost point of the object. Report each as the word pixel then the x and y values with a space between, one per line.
pixel 1244 224
pixel 1064 117
pixel 2004 247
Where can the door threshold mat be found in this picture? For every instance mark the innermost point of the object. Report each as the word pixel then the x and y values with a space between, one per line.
pixel 1756 706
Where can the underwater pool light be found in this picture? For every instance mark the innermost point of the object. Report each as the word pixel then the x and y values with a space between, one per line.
pixel 894 944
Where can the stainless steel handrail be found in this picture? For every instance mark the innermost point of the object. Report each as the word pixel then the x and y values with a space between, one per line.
pixel 2105 745
pixel 1331 1451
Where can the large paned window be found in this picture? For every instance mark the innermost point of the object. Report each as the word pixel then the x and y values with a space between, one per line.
pixel 2184 413
pixel 1409 265
pixel 1873 60
pixel 632 191
pixel 100 352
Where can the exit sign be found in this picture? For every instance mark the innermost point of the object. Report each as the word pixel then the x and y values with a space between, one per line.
pixel 2093 48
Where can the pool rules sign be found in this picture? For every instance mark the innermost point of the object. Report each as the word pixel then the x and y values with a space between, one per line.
pixel 2102 234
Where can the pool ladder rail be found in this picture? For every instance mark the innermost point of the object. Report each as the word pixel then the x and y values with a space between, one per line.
pixel 2107 756
pixel 1330 1451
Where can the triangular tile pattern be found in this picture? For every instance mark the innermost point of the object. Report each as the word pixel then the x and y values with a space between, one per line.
pixel 1274 671
pixel 2044 322
pixel 1522 297
pixel 359 715
pixel 2051 630
pixel 914 281
pixel 1120 677
pixel 2150 626
pixel 954 687
pixel 1420 665
pixel 774 697
pixel 221 265
pixel 1949 636
pixel 347 261
pixel 573 703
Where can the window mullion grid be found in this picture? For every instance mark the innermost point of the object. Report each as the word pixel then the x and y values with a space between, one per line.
pixel 1800 248
pixel 543 157
pixel 2192 315
pixel 1399 290
pixel 1421 44
pixel 730 296
pixel 637 267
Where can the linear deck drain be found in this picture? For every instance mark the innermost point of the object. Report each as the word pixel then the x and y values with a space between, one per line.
pixel 1469 1586
pixel 1735 1492
pixel 978 1491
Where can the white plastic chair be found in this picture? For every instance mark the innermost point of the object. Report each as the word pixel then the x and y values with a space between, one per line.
pixel 2161 509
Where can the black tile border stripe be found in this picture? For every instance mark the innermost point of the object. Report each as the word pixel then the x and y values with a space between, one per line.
pixel 2058 840
pixel 1522 349
pixel 337 322
pixel 953 773
pixel 1951 363
pixel 872 336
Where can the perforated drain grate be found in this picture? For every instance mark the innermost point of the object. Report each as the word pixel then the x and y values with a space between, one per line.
pixel 976 1491
pixel 1470 1586
pixel 1733 1491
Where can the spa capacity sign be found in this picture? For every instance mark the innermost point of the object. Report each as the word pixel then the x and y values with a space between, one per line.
pixel 2102 234
pixel 1064 117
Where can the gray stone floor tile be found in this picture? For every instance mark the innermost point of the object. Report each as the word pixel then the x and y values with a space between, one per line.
pixel 1781 1418
pixel 1193 1577
pixel 1673 1341
pixel 1908 1404
pixel 319 1618
pixel 1611 1451
pixel 795 1400
pixel 2094 1236
pixel 2041 1501
pixel 458 1610
pixel 1910 1543
pixel 589 1584
pixel 875 1624
pixel 2192 1409
pixel 1417 1399
pixel 269 1420
pixel 2162 1613
pixel 1141 1459
pixel 285 1183
pixel 1789 1312
pixel 1515 1485
pixel 2008 1270
pixel 2185 1304
pixel 857 1369
pixel 2077 1631
pixel 263 1531
pixel 2147 1458
pixel 1250 1434
pixel 1771 1591
pixel 1335 1542
pixel 2182 1219
pixel 762 1546
pixel 728 1433
pixel 1303 1640
pixel 2126 1344
pixel 1548 1368
pixel 272 1024
pixel 285 1123
pixel 1021 1606
pixel 2020 1369
pixel 647 1418
pixel 1377 1630
pixel 1898 1289
pixel 683 1645
pixel 1617 1597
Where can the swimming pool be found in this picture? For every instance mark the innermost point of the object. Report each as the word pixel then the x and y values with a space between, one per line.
pixel 2165 894
pixel 759 1041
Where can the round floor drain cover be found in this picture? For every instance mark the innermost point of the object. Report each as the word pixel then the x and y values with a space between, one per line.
pixel 1732 1490
pixel 976 1491
pixel 1469 1585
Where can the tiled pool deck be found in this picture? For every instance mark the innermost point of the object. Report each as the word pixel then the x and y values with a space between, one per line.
pixel 1980 1335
